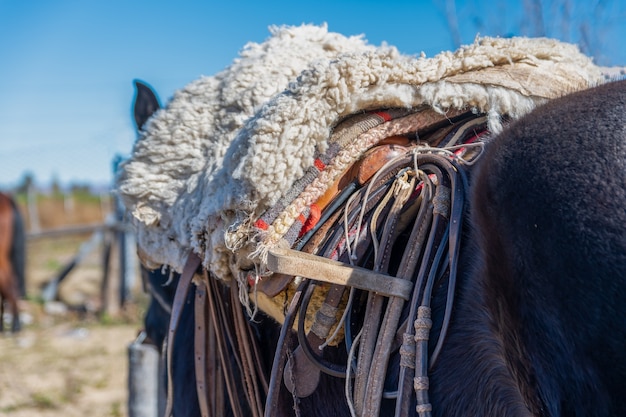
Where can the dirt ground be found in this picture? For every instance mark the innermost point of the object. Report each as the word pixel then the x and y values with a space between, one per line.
pixel 65 367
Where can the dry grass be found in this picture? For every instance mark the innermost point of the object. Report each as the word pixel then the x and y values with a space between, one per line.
pixel 65 368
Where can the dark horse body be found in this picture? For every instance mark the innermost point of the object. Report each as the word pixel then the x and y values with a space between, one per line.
pixel 12 244
pixel 539 325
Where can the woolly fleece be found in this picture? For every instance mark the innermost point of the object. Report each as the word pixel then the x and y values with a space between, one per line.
pixel 227 147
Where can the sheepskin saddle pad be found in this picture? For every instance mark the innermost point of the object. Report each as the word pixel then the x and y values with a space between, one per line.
pixel 243 163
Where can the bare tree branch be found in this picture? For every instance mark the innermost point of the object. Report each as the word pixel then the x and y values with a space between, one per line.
pixel 586 23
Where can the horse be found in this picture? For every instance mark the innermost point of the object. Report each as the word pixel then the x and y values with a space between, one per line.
pixel 540 326
pixel 537 328
pixel 18 250
pixel 10 244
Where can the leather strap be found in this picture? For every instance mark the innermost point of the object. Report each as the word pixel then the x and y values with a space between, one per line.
pixel 278 364
pixel 200 348
pixel 191 266
pixel 248 355
pixel 368 373
pixel 444 239
pixel 380 350
pixel 218 315
pixel 304 372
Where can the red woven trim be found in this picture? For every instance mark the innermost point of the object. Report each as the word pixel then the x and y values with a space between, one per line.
pixel 314 217
pixel 319 164
pixel 260 224
pixel 386 116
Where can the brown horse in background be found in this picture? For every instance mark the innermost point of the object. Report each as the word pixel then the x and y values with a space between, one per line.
pixel 9 291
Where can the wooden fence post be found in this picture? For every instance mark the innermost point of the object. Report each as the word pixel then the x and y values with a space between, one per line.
pixel 50 290
pixel 107 242
pixel 33 211
pixel 124 240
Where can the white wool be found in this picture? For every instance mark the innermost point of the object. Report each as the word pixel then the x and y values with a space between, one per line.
pixel 227 147
pixel 175 164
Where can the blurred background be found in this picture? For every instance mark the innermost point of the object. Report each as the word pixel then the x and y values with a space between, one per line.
pixel 66 66
pixel 66 73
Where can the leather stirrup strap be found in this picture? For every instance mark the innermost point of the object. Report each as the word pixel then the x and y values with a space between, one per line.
pixel 254 392
pixel 222 323
pixel 415 360
pixel 193 262
pixel 279 362
pixel 200 348
pixel 383 339
pixel 364 378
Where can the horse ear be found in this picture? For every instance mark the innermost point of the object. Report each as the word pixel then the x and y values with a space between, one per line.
pixel 146 103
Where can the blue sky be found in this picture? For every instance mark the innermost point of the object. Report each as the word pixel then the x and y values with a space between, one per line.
pixel 66 66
